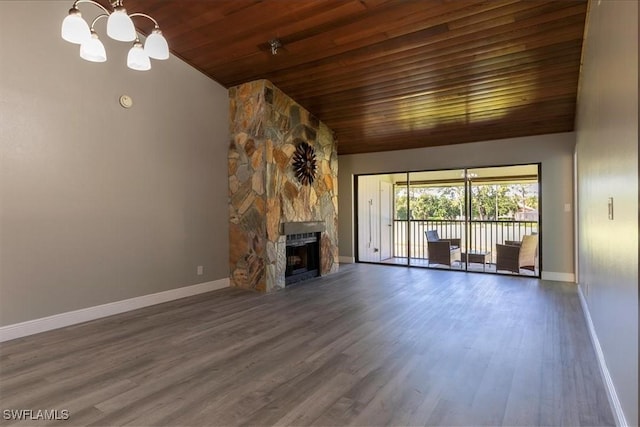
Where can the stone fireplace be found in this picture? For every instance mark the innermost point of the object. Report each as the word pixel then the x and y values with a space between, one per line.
pixel 281 230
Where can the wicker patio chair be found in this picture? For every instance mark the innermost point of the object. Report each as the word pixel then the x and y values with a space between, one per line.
pixel 442 251
pixel 517 255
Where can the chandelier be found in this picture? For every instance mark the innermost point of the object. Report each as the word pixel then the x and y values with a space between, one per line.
pixel 119 27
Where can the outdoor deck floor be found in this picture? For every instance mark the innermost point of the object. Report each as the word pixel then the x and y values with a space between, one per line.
pixel 473 266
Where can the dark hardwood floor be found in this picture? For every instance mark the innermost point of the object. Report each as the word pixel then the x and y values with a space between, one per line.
pixel 370 345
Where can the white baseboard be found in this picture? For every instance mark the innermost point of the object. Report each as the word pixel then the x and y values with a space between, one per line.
pixel 30 327
pixel 558 277
pixel 616 407
pixel 346 259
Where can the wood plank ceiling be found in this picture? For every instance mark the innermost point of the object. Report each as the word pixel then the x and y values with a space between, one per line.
pixel 394 74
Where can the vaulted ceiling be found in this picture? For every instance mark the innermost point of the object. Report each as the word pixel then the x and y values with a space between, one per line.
pixel 393 74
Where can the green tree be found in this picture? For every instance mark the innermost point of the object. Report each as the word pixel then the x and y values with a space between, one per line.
pixel 432 203
pixel 488 201
pixel 456 195
pixel 401 207
pixel 492 202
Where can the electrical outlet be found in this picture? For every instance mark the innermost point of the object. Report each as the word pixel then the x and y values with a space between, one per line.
pixel 200 270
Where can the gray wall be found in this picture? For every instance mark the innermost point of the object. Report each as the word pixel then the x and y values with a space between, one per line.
pixel 607 159
pixel 99 203
pixel 555 152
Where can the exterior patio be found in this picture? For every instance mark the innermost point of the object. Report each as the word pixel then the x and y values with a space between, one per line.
pixel 478 237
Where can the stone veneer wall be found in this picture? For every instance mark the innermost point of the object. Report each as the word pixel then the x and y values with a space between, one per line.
pixel 265 126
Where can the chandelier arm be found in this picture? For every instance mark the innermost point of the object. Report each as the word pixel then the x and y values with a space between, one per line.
pixel 95 3
pixel 102 15
pixel 143 15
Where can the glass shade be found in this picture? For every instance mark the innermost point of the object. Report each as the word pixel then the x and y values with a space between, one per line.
pixel 93 49
pixel 156 46
pixel 137 59
pixel 120 26
pixel 74 28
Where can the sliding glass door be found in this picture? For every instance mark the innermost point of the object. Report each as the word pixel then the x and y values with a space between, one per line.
pixel 503 226
pixel 436 215
pixel 378 240
pixel 480 219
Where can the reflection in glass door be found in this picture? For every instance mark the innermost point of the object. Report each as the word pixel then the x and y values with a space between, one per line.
pixel 480 219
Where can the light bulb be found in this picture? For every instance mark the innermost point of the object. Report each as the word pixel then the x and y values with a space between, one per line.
pixel 74 28
pixel 120 26
pixel 156 46
pixel 137 59
pixel 93 49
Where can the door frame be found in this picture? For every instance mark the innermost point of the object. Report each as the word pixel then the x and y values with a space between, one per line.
pixel 467 213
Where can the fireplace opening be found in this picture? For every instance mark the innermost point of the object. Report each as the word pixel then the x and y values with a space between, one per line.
pixel 303 257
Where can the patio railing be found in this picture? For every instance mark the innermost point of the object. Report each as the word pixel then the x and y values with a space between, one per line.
pixel 482 235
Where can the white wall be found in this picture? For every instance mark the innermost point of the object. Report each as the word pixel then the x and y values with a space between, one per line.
pixel 99 203
pixel 555 152
pixel 607 159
